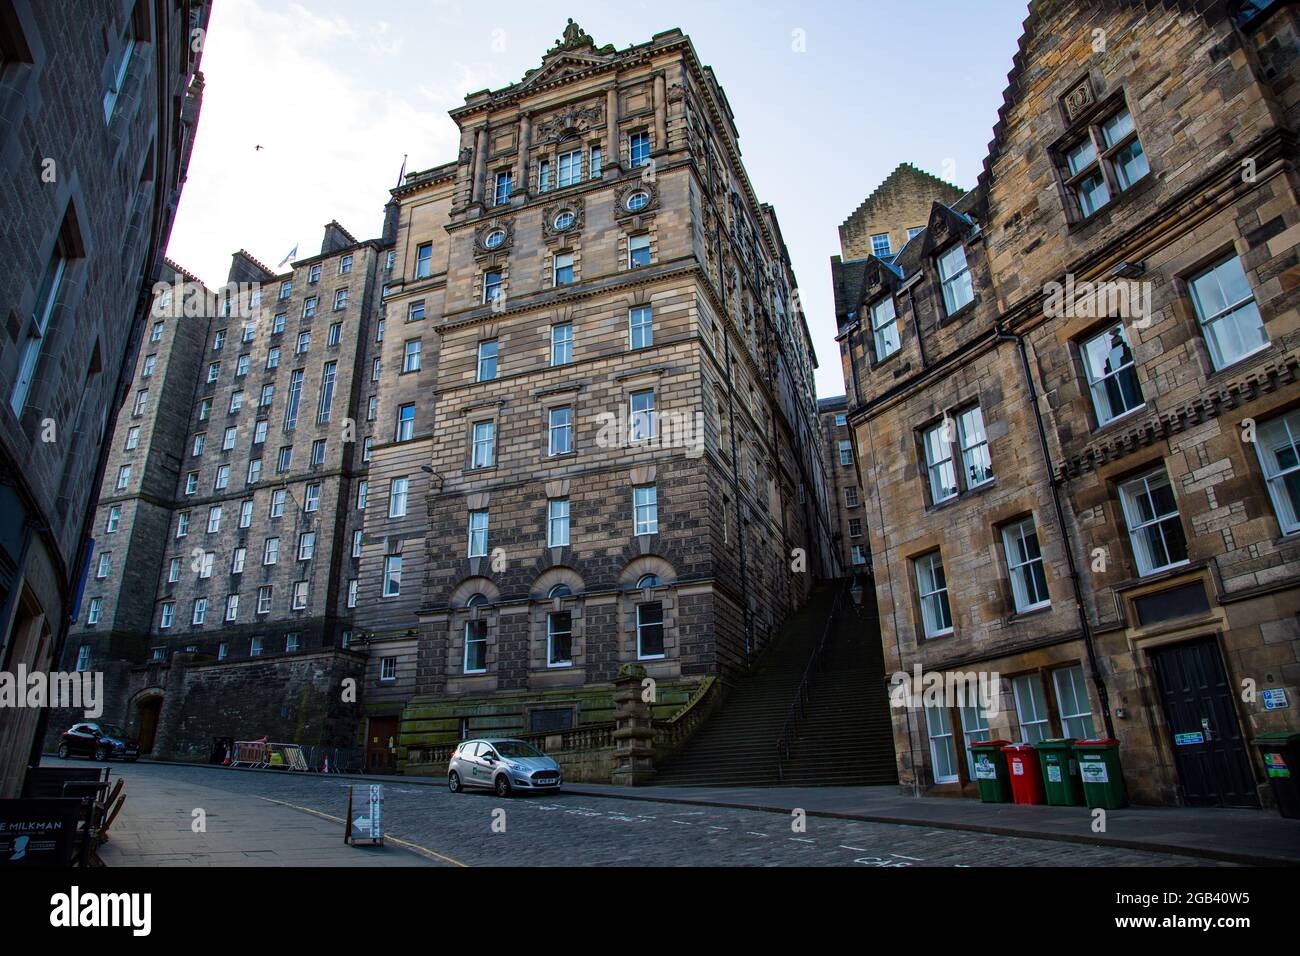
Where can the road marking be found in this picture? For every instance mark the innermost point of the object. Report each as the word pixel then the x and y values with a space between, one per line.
pixel 414 847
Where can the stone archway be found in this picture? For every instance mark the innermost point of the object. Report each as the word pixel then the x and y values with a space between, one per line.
pixel 145 712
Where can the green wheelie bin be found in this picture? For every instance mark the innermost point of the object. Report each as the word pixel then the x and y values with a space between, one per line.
pixel 1281 753
pixel 1100 773
pixel 991 773
pixel 1060 772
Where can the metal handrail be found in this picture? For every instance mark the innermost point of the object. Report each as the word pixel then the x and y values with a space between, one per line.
pixel 799 706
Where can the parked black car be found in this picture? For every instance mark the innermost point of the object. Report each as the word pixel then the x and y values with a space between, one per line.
pixel 100 741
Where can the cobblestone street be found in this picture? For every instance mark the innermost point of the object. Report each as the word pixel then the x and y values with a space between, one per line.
pixel 261 819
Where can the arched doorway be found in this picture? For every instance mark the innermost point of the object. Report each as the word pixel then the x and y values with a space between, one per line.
pixel 147 711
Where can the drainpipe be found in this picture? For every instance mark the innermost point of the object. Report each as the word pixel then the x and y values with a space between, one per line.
pixel 916 325
pixel 1094 673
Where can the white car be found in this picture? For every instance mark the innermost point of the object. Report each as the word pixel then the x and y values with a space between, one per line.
pixel 503 765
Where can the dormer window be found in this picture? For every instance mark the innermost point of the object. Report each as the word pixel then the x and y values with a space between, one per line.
pixel 880 245
pixel 1105 161
pixel 954 276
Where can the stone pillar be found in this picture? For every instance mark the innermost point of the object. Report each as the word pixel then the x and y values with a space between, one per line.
pixel 661 114
pixel 633 733
pixel 480 164
pixel 525 143
pixel 613 162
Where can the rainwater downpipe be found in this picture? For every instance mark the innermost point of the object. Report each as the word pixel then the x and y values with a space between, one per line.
pixel 1094 672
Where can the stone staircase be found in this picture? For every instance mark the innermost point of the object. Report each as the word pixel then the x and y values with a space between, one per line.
pixel 846 736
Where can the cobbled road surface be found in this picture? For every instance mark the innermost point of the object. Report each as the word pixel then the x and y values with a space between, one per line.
pixel 479 829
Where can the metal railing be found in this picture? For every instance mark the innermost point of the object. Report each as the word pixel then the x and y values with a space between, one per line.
pixel 799 706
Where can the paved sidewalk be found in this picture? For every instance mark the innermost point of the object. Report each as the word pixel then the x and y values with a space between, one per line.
pixel 1239 836
pixel 154 829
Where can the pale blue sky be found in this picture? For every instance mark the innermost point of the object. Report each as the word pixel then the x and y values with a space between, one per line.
pixel 337 90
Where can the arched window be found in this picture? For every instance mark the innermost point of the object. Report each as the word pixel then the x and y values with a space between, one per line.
pixel 559 591
pixel 476 600
pixel 649 581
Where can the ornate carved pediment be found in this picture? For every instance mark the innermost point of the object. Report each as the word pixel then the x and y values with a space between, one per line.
pixel 572 121
pixel 551 230
pixel 575 52
pixel 504 225
pixel 627 191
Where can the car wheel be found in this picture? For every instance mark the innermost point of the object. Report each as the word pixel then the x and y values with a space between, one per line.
pixel 502 785
pixel 63 751
pixel 101 753
pixel 453 782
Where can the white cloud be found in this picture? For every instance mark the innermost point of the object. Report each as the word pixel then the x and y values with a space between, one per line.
pixel 333 127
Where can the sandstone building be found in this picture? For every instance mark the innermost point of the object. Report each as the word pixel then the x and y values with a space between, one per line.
pixel 843 487
pixel 1093 497
pixel 97 119
pixel 584 435
pixel 614 446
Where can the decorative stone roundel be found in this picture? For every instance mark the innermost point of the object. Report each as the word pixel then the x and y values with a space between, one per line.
pixel 496 236
pixel 636 199
pixel 560 220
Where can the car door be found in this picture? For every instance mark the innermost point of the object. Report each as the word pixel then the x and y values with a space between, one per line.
pixel 487 762
pixel 464 763
pixel 80 740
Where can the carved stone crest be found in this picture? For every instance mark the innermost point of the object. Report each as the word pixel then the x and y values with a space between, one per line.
pixel 568 122
pixel 1077 100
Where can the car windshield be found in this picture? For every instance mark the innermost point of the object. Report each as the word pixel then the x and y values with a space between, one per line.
pixel 111 730
pixel 515 748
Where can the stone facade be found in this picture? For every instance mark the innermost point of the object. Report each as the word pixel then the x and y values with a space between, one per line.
pixel 626 205
pixel 230 508
pixel 843 487
pixel 1085 497
pixel 97 119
